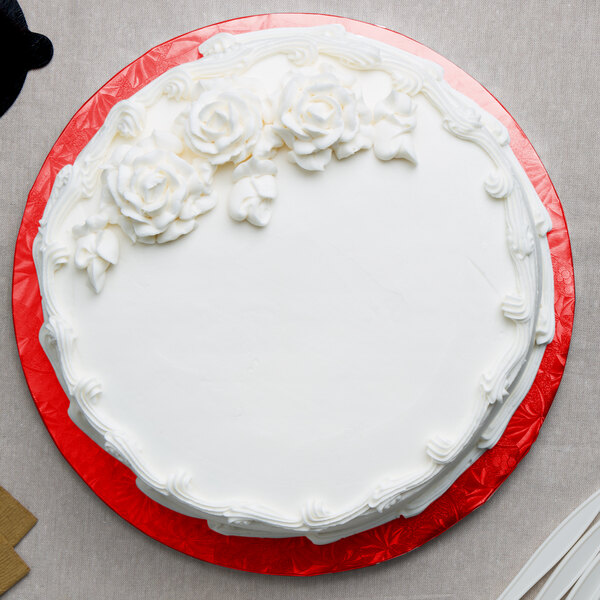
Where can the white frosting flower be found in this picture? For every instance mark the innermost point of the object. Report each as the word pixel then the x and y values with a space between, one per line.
pixel 158 194
pixel 317 113
pixel 224 125
pixel 130 117
pixel 178 85
pixel 253 192
pixel 394 120
pixel 96 250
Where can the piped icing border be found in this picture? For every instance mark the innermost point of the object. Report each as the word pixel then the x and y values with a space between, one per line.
pixel 530 306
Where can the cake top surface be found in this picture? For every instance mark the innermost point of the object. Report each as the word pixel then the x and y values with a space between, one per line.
pixel 298 284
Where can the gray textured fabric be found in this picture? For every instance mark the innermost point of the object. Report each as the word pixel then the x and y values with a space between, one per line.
pixel 540 60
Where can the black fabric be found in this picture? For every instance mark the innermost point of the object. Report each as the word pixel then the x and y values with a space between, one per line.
pixel 20 51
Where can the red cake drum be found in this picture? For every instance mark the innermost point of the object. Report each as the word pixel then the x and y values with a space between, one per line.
pixel 293 294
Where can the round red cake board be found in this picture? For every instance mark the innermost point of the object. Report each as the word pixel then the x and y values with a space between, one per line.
pixel 115 484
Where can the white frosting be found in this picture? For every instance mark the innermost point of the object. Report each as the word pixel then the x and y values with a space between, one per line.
pixel 253 192
pixel 318 114
pixel 394 120
pixel 345 360
pixel 224 125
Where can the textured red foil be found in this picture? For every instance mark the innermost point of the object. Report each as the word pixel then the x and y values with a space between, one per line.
pixel 115 484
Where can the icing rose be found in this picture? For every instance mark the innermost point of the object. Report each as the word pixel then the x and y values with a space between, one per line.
pixel 158 194
pixel 224 125
pixel 253 192
pixel 394 120
pixel 317 114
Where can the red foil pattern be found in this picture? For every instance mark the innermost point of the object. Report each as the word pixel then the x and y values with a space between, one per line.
pixel 115 484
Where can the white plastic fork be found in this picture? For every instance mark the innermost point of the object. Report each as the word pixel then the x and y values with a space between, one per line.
pixel 571 567
pixel 558 543
pixel 588 586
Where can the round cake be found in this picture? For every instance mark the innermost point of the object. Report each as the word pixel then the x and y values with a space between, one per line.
pixel 298 286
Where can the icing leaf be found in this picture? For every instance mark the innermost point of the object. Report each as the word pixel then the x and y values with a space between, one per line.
pixel 394 120
pixel 107 246
pixel 97 273
pixel 389 145
pixel 253 192
pixel 317 161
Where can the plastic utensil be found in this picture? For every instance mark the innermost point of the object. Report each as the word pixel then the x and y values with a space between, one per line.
pixel 571 567
pixel 558 543
pixel 588 586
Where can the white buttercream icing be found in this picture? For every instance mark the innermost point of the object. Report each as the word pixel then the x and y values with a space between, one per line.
pixel 317 115
pixel 394 120
pixel 342 362
pixel 224 125
pixel 158 194
pixel 253 191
